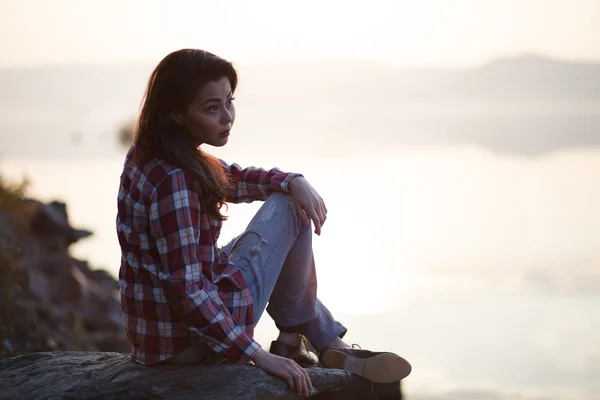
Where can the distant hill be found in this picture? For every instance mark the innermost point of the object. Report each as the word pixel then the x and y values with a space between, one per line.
pixel 532 77
pixel 529 104
pixel 521 78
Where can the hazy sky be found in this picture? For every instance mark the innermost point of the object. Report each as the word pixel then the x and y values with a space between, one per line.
pixel 413 32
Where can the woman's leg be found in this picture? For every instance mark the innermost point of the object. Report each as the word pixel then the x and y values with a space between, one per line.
pixel 296 289
pixel 275 257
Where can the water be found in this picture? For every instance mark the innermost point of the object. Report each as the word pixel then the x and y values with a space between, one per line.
pixel 480 268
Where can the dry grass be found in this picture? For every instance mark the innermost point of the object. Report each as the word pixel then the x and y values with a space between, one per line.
pixel 12 194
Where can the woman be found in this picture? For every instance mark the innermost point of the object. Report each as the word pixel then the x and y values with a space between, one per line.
pixel 185 300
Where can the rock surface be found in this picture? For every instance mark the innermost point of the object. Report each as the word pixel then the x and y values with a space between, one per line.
pixel 94 375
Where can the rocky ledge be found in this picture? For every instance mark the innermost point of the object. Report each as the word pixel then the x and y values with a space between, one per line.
pixel 95 375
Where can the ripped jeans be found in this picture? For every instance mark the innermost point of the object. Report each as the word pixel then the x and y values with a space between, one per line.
pixel 275 257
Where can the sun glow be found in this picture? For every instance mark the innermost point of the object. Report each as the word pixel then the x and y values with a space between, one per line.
pixel 414 32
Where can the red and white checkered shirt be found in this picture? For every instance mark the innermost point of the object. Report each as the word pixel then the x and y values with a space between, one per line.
pixel 175 282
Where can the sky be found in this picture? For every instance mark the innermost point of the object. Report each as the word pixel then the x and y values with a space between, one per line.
pixel 438 33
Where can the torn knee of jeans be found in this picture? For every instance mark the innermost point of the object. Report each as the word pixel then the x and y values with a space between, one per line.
pixel 255 249
pixel 268 212
pixel 260 240
pixel 279 199
pixel 243 235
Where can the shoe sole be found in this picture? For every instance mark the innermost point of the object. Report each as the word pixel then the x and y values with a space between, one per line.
pixel 381 368
pixel 304 365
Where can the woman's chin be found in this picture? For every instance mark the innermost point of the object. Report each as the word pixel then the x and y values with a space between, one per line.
pixel 217 143
pixel 222 141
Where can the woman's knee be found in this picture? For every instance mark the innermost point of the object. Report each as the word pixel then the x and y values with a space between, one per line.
pixel 282 203
pixel 279 197
pixel 279 208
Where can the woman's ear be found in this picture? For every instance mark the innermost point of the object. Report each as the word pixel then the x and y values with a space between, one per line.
pixel 177 117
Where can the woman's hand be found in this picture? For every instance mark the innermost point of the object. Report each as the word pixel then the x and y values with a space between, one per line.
pixel 308 203
pixel 286 369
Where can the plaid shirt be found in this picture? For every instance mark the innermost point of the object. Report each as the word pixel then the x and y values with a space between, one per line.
pixel 176 284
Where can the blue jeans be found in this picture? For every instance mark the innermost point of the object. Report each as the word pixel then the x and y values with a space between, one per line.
pixel 275 257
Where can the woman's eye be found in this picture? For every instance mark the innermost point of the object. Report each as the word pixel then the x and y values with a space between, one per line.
pixel 213 108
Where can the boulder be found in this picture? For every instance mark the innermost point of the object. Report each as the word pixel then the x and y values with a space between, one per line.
pixel 107 376
pixel 95 375
pixel 51 220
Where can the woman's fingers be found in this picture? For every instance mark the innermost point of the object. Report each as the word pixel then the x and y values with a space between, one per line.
pixel 315 212
pixel 318 216
pixel 299 383
pixel 316 219
pixel 289 380
pixel 323 213
pixel 293 374
pixel 306 385
pixel 324 207
pixel 301 213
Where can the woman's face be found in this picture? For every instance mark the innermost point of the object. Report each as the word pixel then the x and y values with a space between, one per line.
pixel 209 118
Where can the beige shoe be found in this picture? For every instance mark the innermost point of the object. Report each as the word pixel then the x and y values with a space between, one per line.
pixel 378 367
pixel 301 353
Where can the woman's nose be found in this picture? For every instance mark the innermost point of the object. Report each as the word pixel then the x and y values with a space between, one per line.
pixel 227 117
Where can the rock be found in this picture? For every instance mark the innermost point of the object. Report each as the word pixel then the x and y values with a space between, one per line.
pixel 90 375
pixel 49 300
pixel 52 220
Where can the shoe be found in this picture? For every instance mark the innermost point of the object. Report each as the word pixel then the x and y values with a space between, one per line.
pixel 300 353
pixel 377 367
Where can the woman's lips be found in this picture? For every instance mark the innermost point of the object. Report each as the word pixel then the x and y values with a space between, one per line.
pixel 225 134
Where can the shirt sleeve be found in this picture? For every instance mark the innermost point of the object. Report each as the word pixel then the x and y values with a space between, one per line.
pixel 175 217
pixel 252 183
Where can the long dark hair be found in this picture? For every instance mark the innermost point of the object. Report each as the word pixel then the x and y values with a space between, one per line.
pixel 172 87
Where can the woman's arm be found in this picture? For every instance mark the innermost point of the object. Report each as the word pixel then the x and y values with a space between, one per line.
pixel 175 216
pixel 252 183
